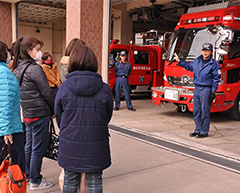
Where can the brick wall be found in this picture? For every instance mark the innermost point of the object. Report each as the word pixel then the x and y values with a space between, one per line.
pixel 6 23
pixel 85 21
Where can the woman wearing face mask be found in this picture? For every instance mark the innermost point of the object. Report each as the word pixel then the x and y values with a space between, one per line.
pixel 10 122
pixel 37 105
pixel 51 71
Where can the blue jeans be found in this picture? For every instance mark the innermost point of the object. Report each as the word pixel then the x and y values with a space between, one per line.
pixel 17 149
pixel 35 148
pixel 72 181
pixel 201 111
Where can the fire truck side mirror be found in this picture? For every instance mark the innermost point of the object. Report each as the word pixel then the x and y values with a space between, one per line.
pixel 163 41
pixel 227 36
pixel 164 56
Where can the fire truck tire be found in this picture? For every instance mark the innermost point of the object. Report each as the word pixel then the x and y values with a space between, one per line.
pixel 234 112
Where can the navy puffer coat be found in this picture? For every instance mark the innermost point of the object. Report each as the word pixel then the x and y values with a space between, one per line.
pixel 83 109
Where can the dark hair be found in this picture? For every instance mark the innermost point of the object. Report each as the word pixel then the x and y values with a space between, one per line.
pixel 82 58
pixel 21 47
pixel 3 52
pixel 45 56
pixel 74 42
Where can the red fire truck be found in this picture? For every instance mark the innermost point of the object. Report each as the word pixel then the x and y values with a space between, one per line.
pixel 218 24
pixel 147 66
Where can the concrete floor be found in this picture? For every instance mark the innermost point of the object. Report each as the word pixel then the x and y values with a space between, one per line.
pixel 168 124
pixel 138 167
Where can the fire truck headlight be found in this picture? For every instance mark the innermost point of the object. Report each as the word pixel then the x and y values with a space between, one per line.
pixel 191 101
pixel 154 94
pixel 170 80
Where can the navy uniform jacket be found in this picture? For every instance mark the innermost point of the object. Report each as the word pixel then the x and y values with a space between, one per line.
pixel 122 69
pixel 208 74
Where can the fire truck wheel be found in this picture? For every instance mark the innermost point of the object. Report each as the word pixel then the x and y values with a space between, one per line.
pixel 234 112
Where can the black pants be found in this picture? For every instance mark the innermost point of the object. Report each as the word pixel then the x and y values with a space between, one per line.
pixel 17 149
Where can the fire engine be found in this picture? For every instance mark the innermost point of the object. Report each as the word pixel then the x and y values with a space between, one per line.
pixel 218 24
pixel 146 63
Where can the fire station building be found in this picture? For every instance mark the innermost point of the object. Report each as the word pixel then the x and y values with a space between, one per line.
pixel 56 22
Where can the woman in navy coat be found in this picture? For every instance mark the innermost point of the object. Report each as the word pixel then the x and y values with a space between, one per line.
pixel 83 109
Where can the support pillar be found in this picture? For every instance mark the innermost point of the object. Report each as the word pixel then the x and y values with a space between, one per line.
pixel 85 21
pixel 6 23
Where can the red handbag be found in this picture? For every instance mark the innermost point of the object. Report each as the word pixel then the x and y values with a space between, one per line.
pixel 12 179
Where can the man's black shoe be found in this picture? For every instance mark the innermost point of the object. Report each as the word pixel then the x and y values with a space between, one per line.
pixel 132 109
pixel 116 109
pixel 201 135
pixel 193 134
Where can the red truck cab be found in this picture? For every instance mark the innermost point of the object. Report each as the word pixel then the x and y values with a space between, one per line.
pixel 218 24
pixel 146 66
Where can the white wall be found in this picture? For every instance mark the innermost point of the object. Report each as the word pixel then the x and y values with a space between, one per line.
pixel 53 35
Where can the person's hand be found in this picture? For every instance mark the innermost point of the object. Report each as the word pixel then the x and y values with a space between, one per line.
pixel 176 57
pixel 8 138
pixel 211 97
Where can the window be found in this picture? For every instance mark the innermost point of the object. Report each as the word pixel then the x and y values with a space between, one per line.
pixel 115 57
pixel 187 43
pixel 235 46
pixel 141 57
pixel 233 75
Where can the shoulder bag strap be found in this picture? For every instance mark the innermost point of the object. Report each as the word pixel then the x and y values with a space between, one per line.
pixel 20 81
pixel 6 153
pixel 52 128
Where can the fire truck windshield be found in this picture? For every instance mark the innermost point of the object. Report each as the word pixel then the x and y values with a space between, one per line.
pixel 187 43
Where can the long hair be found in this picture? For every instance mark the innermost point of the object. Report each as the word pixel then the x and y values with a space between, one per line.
pixel 21 47
pixel 74 42
pixel 3 52
pixel 82 58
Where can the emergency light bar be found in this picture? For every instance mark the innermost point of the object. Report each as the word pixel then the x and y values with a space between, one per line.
pixel 209 7
pixel 201 20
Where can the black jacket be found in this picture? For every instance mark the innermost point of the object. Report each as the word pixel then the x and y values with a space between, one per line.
pixel 36 96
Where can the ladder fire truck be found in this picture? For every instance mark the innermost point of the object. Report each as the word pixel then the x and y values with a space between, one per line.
pixel 218 24
pixel 146 63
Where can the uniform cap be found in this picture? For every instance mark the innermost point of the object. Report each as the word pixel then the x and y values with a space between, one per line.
pixel 122 53
pixel 207 46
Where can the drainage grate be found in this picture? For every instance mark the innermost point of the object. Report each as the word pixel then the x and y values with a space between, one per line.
pixel 206 157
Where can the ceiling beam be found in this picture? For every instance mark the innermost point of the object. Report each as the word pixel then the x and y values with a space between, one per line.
pixel 187 2
pixel 44 4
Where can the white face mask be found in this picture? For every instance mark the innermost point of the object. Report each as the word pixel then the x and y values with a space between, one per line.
pixel 38 56
pixel 9 59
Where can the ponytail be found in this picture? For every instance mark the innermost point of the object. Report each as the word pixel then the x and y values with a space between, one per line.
pixel 21 47
pixel 16 53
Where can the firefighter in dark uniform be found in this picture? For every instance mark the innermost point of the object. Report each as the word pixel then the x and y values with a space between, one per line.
pixel 207 74
pixel 122 71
